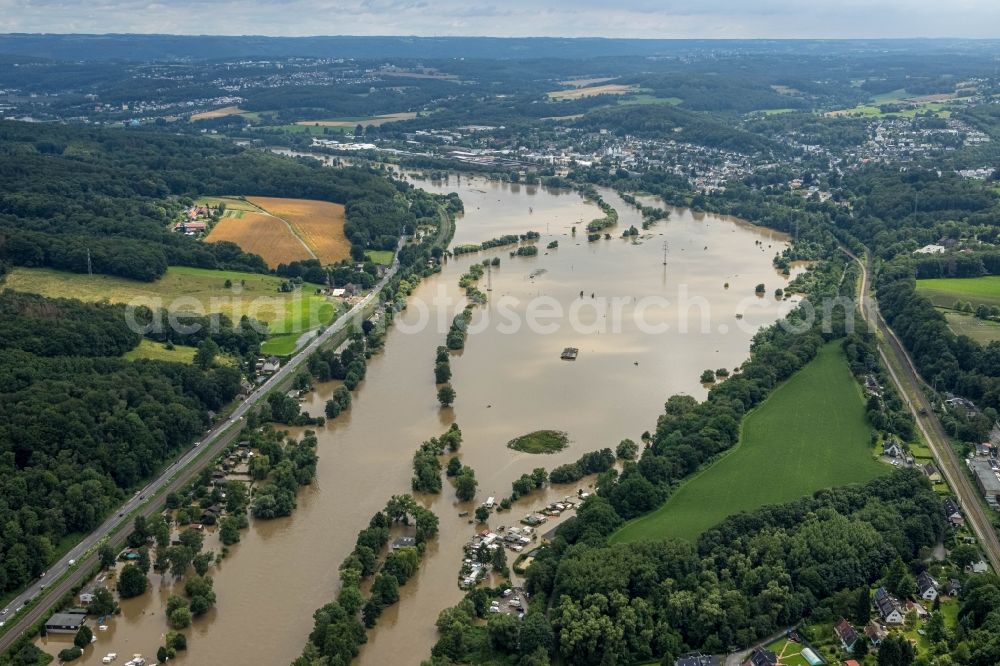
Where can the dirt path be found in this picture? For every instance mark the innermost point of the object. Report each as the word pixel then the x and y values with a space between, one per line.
pixel 290 228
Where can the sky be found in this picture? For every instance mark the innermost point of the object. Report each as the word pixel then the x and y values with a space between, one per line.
pixel 514 18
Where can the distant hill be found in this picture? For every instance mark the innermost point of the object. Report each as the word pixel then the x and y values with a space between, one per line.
pixel 179 47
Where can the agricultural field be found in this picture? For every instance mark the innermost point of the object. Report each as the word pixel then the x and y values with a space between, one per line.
pixel 580 93
pixel 262 234
pixel 980 330
pixel 939 104
pixel 351 123
pixel 943 292
pixel 811 433
pixel 199 290
pixel 320 224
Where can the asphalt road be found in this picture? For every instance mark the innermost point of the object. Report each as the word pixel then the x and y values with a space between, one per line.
pixel 174 477
pixel 910 386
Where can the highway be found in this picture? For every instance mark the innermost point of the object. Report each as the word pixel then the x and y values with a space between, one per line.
pixel 910 386
pixel 84 555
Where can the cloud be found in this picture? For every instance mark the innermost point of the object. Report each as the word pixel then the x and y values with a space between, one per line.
pixel 571 18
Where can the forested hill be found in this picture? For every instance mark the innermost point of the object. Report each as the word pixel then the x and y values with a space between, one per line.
pixel 80 426
pixel 67 190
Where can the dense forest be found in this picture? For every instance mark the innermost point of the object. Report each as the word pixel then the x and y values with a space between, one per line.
pixel 751 575
pixel 69 193
pixel 79 428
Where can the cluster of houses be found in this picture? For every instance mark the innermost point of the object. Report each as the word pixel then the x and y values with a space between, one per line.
pixel 513 538
pixel 265 367
pixel 892 612
pixel 196 221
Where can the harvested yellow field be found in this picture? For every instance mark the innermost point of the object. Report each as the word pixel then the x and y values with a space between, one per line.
pixel 217 113
pixel 320 224
pixel 259 233
pixel 580 93
pixel 376 120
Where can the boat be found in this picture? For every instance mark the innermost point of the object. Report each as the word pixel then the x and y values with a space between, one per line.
pixel 569 354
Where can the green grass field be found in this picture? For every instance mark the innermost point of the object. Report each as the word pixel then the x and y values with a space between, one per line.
pixel 155 351
pixel 811 433
pixel 943 292
pixel 982 331
pixel 184 289
pixel 789 652
pixel 646 98
pixel 235 207
pixel 314 130
pixel 383 257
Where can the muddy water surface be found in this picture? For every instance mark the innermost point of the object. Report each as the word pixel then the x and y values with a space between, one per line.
pixel 645 331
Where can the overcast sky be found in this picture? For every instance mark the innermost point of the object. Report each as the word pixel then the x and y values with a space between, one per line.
pixel 514 18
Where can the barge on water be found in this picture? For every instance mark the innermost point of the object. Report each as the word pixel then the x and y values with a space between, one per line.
pixel 569 354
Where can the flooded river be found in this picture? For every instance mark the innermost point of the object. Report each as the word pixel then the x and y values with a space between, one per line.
pixel 648 332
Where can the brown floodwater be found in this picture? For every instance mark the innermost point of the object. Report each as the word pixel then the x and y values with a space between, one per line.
pixel 648 332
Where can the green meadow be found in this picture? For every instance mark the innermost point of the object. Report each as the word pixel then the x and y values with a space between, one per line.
pixel 810 433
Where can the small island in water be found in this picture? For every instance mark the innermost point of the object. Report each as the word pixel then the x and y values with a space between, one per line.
pixel 540 441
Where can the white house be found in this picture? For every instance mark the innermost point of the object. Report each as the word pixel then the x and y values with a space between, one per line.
pixel 888 607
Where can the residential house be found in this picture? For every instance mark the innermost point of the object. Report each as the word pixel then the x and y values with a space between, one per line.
pixel 875 633
pixel 888 607
pixel 404 542
pixel 762 657
pixel 892 449
pixel 271 365
pixel 87 595
pixel 953 588
pixel 979 567
pixel 952 513
pixel 926 586
pixel 930 470
pixel 846 633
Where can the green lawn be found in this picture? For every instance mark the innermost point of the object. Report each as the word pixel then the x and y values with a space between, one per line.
pixel 789 652
pixel 943 292
pixel 383 257
pixel 811 433
pixel 980 330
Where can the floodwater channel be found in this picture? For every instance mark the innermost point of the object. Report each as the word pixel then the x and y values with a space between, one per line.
pixel 645 330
